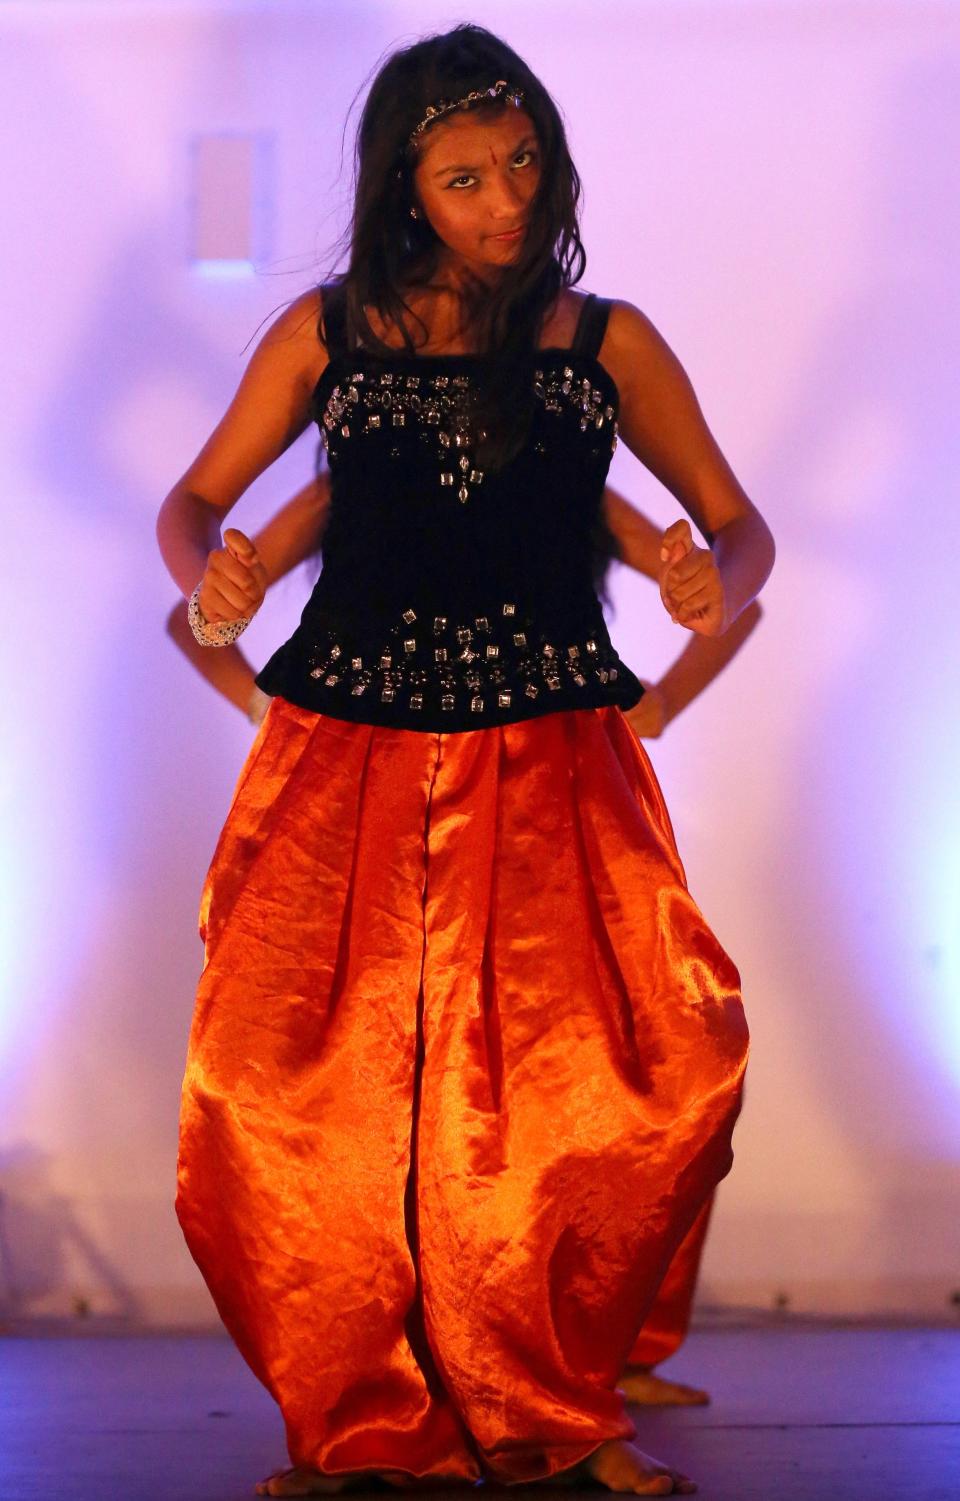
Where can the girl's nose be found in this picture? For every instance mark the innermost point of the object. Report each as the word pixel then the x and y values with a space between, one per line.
pixel 506 197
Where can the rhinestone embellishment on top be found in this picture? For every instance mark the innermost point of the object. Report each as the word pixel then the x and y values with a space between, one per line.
pixel 567 389
pixel 485 664
pixel 384 401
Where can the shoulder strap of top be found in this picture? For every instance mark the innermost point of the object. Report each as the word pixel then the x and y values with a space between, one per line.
pixel 591 326
pixel 334 319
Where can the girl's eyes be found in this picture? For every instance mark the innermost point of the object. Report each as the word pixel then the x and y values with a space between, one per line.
pixel 467 179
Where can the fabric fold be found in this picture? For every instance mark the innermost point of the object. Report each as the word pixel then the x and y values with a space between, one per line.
pixel 474 953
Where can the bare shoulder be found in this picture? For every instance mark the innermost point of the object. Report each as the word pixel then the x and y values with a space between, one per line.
pixel 289 358
pixel 634 348
pixel 295 332
pixel 269 410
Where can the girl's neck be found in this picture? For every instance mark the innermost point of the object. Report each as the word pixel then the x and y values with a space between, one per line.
pixel 445 310
pixel 463 278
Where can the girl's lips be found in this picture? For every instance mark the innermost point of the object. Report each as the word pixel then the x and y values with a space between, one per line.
pixel 510 234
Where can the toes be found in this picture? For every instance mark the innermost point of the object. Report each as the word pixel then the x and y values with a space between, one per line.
pixel 665 1483
pixel 692 1395
pixel 675 1484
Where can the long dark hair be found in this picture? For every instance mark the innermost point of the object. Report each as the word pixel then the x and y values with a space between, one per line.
pixel 390 252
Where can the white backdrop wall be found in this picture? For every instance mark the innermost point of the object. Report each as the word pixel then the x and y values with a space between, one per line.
pixel 775 185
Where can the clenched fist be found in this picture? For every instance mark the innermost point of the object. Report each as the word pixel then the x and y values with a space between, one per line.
pixel 690 583
pixel 234 582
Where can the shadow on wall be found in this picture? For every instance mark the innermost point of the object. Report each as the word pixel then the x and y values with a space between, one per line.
pixel 43 1246
pixel 143 774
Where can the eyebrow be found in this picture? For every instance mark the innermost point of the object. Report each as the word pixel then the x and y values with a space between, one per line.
pixel 467 167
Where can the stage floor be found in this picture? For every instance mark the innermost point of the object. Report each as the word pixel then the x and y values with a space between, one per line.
pixel 797 1413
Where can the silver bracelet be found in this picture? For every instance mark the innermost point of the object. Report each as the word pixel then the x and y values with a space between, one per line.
pixel 213 633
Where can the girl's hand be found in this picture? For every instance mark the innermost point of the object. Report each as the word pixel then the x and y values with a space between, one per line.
pixel 648 719
pixel 690 583
pixel 235 580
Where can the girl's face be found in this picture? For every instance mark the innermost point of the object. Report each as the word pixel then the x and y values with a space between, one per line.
pixel 475 181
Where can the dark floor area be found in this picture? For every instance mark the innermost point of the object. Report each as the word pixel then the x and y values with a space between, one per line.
pixel 806 1412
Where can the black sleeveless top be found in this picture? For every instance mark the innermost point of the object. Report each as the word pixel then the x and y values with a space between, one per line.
pixel 449 598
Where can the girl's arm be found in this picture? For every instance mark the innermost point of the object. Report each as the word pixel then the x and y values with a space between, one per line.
pixel 270 409
pixel 703 657
pixel 704 589
pixel 287 539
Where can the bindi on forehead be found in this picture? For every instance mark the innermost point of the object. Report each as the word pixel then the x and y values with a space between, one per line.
pixel 465 152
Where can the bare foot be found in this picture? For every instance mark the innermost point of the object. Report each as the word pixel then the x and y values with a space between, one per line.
pixel 639 1384
pixel 300 1482
pixel 621 1466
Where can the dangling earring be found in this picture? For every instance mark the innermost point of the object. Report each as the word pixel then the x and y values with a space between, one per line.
pixel 413 212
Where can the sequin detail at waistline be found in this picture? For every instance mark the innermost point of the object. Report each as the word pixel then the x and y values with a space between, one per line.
pixel 486 664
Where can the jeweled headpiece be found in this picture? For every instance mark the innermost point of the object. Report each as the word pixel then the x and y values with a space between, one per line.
pixel 499 90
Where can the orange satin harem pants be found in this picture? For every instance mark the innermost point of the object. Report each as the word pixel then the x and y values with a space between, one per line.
pixel 463 1071
pixel 665 1326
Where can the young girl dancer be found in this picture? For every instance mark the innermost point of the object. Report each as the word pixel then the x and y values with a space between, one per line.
pixel 466 1058
pixel 290 538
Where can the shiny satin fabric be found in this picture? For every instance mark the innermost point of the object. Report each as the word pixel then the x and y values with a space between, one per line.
pixel 470 960
pixel 665 1326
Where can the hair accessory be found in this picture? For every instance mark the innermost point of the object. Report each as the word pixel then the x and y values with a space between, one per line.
pixel 213 633
pixel 500 89
pixel 413 211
